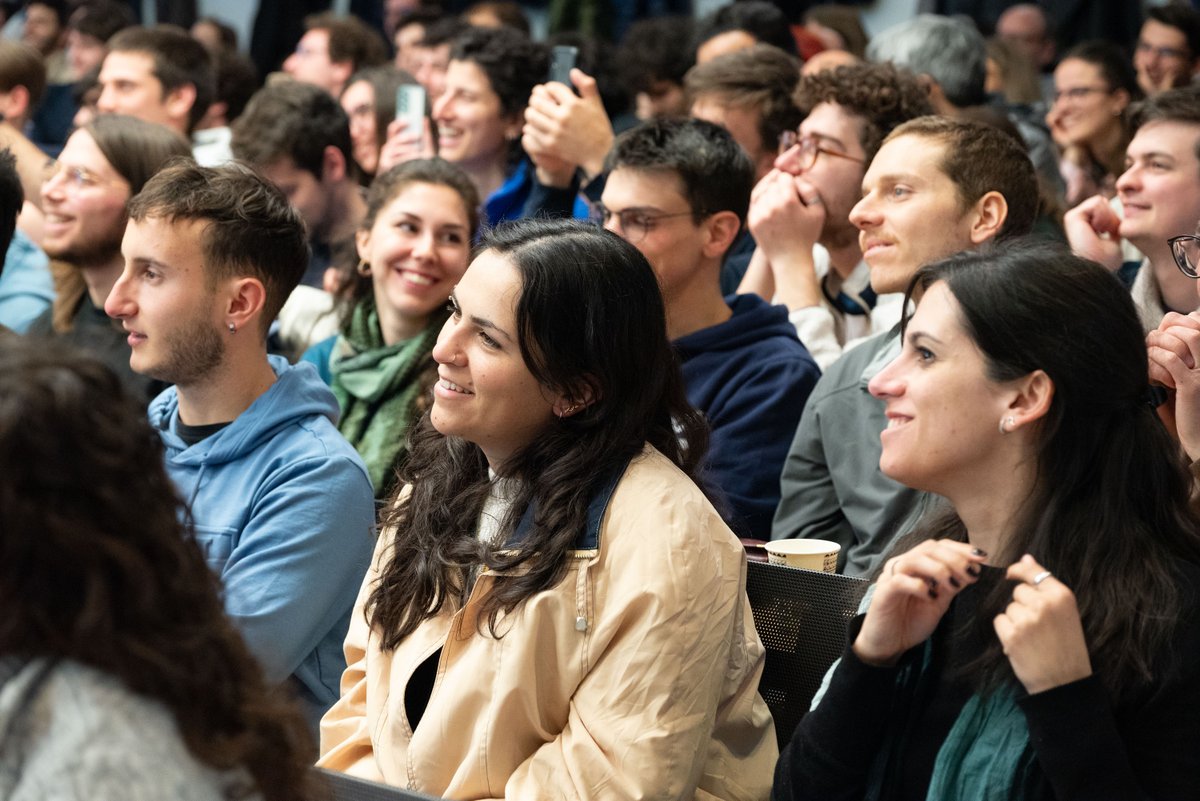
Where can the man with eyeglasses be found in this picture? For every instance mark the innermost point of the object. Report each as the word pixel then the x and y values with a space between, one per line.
pixel 806 200
pixel 332 49
pixel 678 191
pixel 1159 195
pixel 83 198
pixel 1174 352
pixel 1167 54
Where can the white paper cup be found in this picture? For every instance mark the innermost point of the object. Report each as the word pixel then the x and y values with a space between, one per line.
pixel 808 554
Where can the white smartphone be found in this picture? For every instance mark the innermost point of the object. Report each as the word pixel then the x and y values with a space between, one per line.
pixel 410 106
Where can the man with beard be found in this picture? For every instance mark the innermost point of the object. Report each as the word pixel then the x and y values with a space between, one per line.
pixel 281 503
pixel 83 198
pixel 806 201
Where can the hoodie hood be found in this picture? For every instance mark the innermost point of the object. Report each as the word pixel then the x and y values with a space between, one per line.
pixel 297 394
pixel 753 321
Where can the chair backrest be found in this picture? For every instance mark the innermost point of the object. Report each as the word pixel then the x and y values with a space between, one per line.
pixel 349 788
pixel 801 617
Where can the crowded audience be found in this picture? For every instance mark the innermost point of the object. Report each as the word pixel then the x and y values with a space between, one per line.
pixel 467 354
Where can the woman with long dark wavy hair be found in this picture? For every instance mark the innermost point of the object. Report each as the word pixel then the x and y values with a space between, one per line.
pixel 120 676
pixel 1040 637
pixel 554 607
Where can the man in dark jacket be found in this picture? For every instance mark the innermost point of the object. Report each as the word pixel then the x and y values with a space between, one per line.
pixel 678 190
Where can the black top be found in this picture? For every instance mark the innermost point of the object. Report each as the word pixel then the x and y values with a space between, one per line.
pixel 1085 747
pixel 193 434
pixel 101 337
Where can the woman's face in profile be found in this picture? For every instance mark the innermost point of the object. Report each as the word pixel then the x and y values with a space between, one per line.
pixel 472 129
pixel 943 412
pixel 358 101
pixel 485 393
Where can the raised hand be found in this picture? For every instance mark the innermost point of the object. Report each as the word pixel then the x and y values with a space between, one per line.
pixel 1040 630
pixel 786 213
pixel 404 145
pixel 1174 353
pixel 1094 231
pixel 911 596
pixel 563 131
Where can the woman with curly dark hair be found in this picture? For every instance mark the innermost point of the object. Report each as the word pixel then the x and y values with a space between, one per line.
pixel 479 117
pixel 120 676
pixel 554 607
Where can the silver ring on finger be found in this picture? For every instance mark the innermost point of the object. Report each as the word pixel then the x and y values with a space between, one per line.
pixel 1040 577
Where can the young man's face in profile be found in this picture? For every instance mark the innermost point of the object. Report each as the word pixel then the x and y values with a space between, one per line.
pixel 910 213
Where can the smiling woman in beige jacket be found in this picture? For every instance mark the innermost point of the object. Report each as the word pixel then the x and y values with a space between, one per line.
pixel 555 610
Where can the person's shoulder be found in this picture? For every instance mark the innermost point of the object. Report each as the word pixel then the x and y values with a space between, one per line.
pixel 848 369
pixel 319 354
pixel 293 427
pixel 757 332
pixel 661 508
pixel 92 731
pixel 42 325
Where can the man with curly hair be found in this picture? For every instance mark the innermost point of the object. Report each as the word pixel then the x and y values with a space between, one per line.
pixel 805 201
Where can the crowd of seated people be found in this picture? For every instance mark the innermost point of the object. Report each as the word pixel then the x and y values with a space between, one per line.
pixel 411 409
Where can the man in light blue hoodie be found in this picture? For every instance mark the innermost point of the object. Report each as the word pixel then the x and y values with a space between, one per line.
pixel 281 503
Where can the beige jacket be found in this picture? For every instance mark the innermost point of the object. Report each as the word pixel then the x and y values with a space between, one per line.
pixel 635 677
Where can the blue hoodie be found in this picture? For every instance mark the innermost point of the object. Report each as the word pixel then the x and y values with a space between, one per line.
pixel 285 513
pixel 750 376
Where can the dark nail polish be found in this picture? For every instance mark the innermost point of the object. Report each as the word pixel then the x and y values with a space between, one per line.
pixel 979 552
pixel 954 583
pixel 973 570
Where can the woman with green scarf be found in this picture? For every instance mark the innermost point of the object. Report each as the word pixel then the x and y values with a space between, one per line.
pixel 1039 638
pixel 414 244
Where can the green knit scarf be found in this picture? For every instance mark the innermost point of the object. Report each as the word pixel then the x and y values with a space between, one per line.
pixel 377 387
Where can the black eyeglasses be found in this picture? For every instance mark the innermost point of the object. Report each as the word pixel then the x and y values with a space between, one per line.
pixel 810 148
pixel 1076 93
pixel 1186 250
pixel 1145 48
pixel 636 223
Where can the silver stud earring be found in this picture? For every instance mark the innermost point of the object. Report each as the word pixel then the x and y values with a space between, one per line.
pixel 232 328
pixel 1007 424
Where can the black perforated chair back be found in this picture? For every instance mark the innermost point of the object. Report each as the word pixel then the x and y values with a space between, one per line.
pixel 801 617
pixel 348 788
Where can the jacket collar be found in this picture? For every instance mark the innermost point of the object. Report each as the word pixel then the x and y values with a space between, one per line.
pixel 588 539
